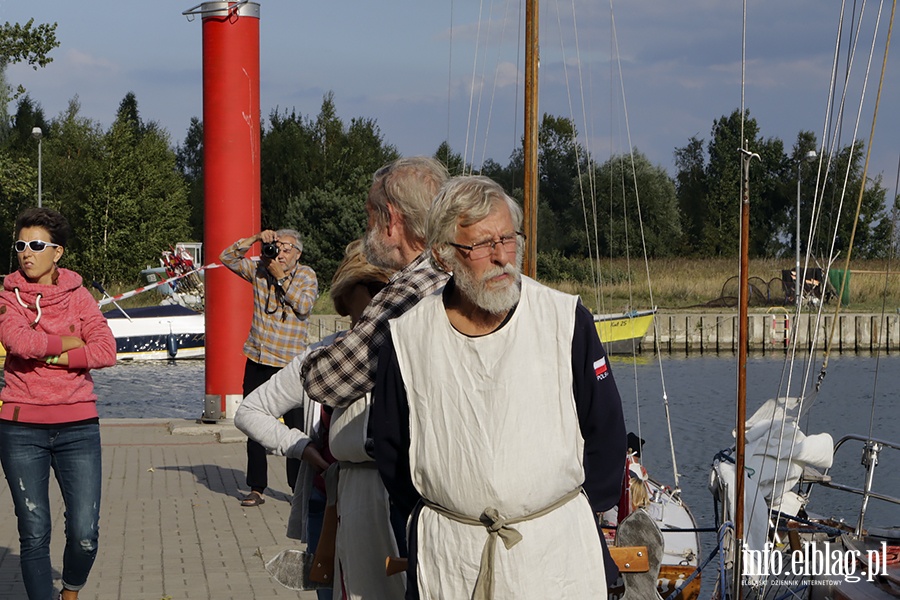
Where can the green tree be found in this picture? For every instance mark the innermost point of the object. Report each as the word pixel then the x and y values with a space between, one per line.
pixel 692 191
pixel 772 197
pixel 339 219
pixel 799 166
pixel 18 178
pixel 132 203
pixel 189 161
pixel 74 162
pixel 841 207
pixel 721 223
pixel 452 160
pixel 315 178
pixel 22 43
pixel 365 151
pixel 637 208
pixel 712 201
pixel 560 209
pixel 28 116
pixel 287 151
pixel 18 172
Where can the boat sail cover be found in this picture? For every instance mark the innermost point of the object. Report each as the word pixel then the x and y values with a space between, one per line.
pixel 777 453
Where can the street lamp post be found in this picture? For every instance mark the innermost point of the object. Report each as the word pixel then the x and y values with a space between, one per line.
pixel 811 155
pixel 37 134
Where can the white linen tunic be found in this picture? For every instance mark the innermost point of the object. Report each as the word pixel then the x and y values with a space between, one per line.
pixel 493 424
pixel 364 535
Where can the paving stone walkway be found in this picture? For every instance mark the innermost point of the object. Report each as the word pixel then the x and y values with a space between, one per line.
pixel 171 525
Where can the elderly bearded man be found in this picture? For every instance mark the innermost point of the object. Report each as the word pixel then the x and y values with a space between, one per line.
pixel 401 194
pixel 503 421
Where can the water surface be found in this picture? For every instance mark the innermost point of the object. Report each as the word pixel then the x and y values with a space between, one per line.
pixel 701 397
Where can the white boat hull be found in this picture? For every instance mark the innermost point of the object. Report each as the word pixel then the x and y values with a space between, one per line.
pixel 158 333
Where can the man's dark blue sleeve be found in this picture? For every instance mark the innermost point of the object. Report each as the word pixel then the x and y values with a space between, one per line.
pixel 599 415
pixel 602 424
pixel 389 424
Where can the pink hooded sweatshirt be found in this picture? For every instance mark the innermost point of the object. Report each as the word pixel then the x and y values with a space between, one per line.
pixel 33 319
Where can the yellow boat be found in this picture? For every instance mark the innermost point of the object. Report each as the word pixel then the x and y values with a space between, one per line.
pixel 622 333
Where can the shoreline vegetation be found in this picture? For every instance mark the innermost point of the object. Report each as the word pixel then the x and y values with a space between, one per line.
pixel 696 285
pixel 693 285
pixel 678 284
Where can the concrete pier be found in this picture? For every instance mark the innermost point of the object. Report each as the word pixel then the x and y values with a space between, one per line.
pixel 774 331
pixel 171 523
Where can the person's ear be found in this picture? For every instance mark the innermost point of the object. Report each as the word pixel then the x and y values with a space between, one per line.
pixel 59 252
pixel 439 262
pixel 394 220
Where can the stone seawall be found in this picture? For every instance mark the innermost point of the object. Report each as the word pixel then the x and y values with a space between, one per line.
pixel 774 332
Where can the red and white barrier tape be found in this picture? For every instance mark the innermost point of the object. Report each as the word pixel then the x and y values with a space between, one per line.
pixel 136 291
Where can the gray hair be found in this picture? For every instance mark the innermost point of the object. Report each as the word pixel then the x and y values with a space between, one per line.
pixel 410 185
pixel 291 233
pixel 464 201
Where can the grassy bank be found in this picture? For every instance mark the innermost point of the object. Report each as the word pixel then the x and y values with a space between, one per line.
pixel 687 284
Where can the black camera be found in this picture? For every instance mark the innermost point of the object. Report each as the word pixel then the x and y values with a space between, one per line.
pixel 270 250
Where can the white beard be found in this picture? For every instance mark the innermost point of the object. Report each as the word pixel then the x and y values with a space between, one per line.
pixel 378 253
pixel 494 301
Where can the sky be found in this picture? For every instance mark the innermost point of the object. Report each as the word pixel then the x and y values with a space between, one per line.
pixel 433 71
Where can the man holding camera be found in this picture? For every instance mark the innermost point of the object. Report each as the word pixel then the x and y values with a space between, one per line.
pixel 284 292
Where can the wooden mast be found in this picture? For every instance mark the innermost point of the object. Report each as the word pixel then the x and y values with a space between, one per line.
pixel 530 143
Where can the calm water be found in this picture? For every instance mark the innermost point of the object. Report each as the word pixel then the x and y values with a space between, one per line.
pixel 701 395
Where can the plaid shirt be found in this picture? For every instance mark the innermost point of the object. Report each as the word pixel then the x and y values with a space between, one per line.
pixel 280 315
pixel 338 374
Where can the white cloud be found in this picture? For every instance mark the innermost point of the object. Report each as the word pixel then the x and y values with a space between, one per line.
pixel 82 61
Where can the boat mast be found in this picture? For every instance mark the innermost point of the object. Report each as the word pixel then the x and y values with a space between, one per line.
pixel 743 327
pixel 530 142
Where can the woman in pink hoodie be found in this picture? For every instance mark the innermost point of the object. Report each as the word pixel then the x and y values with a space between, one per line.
pixel 54 334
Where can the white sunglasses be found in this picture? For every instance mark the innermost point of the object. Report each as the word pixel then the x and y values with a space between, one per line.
pixel 35 245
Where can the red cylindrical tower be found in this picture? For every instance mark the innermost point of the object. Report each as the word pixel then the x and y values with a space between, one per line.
pixel 231 141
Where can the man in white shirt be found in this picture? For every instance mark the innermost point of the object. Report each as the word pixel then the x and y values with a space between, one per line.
pixel 503 421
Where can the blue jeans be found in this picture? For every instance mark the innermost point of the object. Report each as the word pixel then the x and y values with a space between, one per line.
pixel 27 453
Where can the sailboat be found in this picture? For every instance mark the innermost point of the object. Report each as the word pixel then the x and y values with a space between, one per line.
pixel 666 516
pixel 774 545
pixel 623 333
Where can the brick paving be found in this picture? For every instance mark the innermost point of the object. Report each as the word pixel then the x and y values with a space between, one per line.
pixel 171 524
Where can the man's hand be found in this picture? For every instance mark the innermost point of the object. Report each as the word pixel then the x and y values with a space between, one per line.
pixel 312 455
pixel 275 268
pixel 267 236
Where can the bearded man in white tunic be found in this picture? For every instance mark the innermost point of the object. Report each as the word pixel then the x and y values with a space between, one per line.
pixel 497 424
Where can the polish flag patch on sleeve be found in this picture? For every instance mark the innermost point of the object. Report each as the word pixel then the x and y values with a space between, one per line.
pixel 600 367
